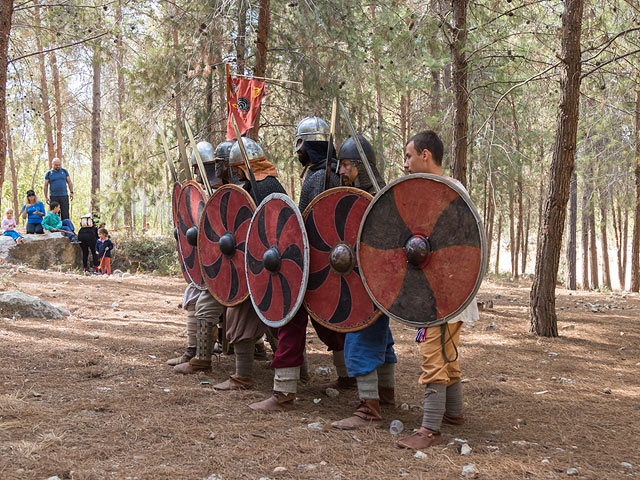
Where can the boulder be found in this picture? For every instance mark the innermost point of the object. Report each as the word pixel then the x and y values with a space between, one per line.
pixel 12 303
pixel 42 251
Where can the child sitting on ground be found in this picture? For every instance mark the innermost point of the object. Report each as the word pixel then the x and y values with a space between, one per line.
pixel 9 226
pixel 53 223
pixel 103 249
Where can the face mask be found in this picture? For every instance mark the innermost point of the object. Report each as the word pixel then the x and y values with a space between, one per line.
pixel 303 158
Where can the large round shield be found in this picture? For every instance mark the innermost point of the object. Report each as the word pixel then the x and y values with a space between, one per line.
pixel 421 249
pixel 190 205
pixel 222 233
pixel 277 260
pixel 335 295
pixel 177 187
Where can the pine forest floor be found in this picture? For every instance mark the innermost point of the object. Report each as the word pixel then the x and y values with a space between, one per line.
pixel 90 396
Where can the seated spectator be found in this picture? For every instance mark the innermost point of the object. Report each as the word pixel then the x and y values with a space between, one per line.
pixel 33 211
pixel 9 226
pixel 53 223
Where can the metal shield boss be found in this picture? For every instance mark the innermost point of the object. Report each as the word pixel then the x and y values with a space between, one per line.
pixel 335 295
pixel 422 250
pixel 277 260
pixel 222 233
pixel 190 206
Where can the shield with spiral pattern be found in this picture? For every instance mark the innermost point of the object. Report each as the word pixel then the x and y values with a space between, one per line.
pixel 190 206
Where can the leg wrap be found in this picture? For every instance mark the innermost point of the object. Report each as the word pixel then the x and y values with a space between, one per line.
pixel 454 400
pixel 204 340
pixel 244 358
pixel 435 398
pixel 304 368
pixel 338 362
pixel 368 386
pixel 192 328
pixel 386 375
pixel 285 380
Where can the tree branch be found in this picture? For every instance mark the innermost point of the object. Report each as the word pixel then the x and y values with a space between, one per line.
pixel 13 60
pixel 614 59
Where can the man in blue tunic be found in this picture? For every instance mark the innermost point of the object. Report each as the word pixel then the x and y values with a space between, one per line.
pixel 56 180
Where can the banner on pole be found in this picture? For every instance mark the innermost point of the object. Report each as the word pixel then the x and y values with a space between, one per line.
pixel 244 97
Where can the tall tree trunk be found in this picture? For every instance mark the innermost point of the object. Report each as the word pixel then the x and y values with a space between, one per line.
pixel 512 236
pixel 242 34
pixel 543 308
pixel 489 221
pixel 497 269
pixel 584 232
pixel 95 131
pixel 525 237
pixel 593 247
pixel 264 22
pixel 44 90
pixel 635 244
pixel 606 271
pixel 58 100
pixel 571 237
pixel 516 138
pixel 460 94
pixel 185 172
pixel 118 175
pixel 625 247
pixel 14 177
pixel 6 12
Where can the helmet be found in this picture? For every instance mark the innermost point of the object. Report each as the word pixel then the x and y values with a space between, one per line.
pixel 223 150
pixel 349 151
pixel 311 129
pixel 253 151
pixel 205 149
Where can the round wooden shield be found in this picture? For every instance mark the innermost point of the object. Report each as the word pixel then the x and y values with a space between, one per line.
pixel 177 187
pixel 277 260
pixel 190 205
pixel 222 233
pixel 335 295
pixel 421 249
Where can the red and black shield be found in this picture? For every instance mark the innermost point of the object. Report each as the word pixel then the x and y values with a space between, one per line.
pixel 277 260
pixel 421 249
pixel 222 234
pixel 177 187
pixel 190 205
pixel 335 295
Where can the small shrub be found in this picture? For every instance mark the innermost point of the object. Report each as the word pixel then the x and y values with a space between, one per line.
pixel 142 253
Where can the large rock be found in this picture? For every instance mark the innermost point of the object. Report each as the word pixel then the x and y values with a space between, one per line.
pixel 42 251
pixel 12 303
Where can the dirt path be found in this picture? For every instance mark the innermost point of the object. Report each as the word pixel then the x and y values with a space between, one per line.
pixel 91 396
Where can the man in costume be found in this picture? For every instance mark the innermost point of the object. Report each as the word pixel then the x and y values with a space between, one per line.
pixel 439 345
pixel 243 326
pixel 368 353
pixel 311 144
pixel 206 309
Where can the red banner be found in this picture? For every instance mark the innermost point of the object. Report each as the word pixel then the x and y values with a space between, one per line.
pixel 244 97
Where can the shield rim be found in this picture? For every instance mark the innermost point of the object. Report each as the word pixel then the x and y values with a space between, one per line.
pixel 204 195
pixel 174 216
pixel 316 317
pixel 252 205
pixel 305 259
pixel 483 245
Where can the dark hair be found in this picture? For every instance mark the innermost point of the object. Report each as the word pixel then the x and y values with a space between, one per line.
pixel 428 140
pixel 30 192
pixel 53 205
pixel 103 231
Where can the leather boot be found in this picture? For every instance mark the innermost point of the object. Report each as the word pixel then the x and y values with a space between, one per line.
pixel 278 402
pixel 192 366
pixel 387 396
pixel 235 383
pixel 423 438
pixel 367 415
pixel 185 357
pixel 342 383
pixel 453 421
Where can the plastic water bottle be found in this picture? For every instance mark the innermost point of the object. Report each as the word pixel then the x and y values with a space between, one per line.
pixel 396 427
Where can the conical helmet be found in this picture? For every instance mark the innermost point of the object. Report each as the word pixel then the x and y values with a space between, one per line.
pixel 253 151
pixel 311 129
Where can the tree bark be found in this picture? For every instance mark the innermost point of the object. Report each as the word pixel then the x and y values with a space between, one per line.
pixel 14 177
pixel 606 271
pixel 635 244
pixel 95 131
pixel 6 12
pixel 497 268
pixel 58 100
pixel 118 174
pixel 512 236
pixel 625 247
pixel 460 93
pixel 571 237
pixel 591 217
pixel 525 238
pixel 185 172
pixel 544 321
pixel 242 35
pixel 44 90
pixel 584 232
pixel 264 22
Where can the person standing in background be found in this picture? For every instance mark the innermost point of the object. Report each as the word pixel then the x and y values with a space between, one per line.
pixel 55 182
